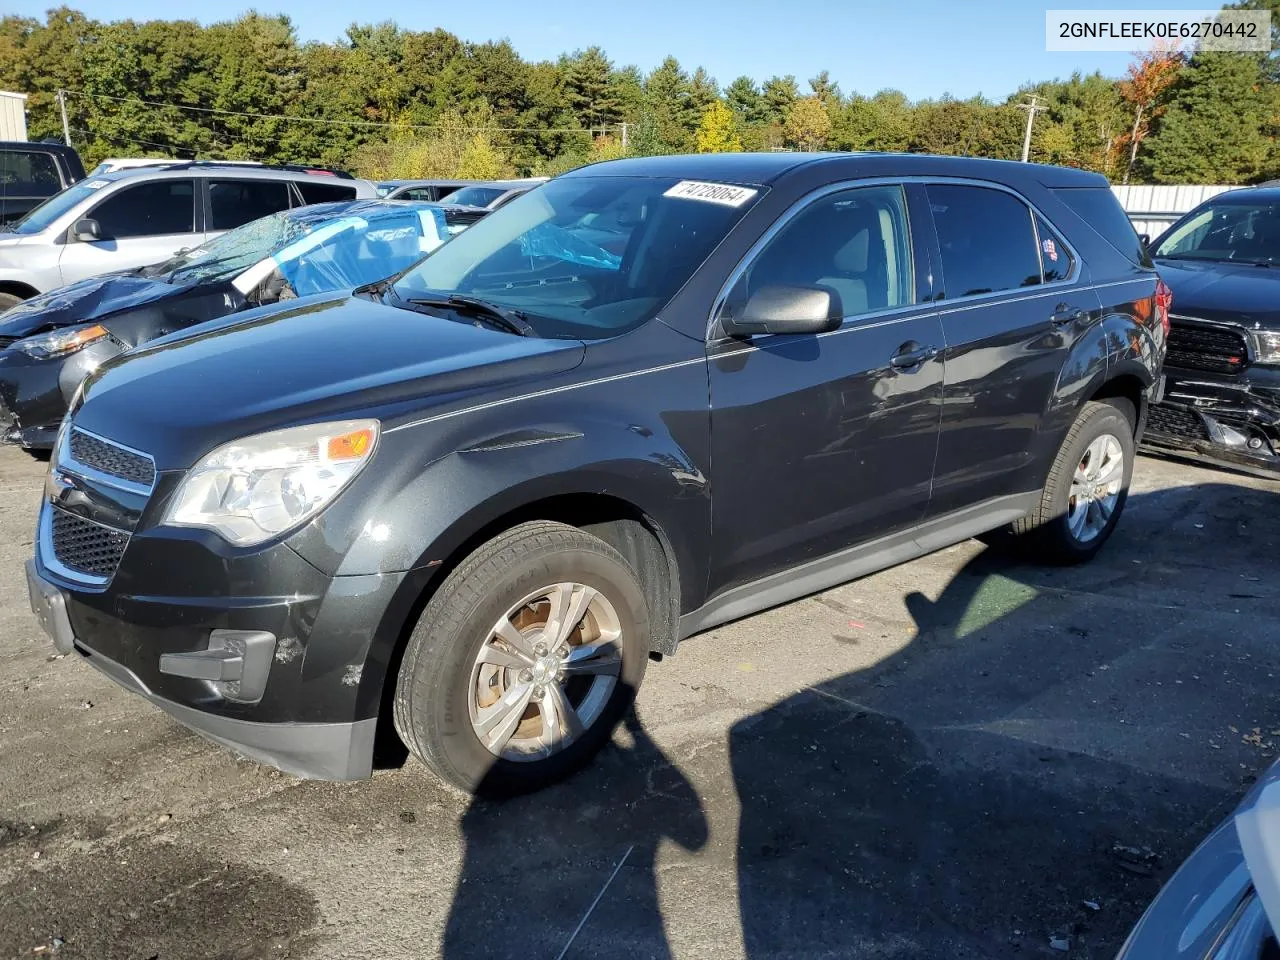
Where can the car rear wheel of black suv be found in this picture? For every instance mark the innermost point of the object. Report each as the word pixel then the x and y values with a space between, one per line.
pixel 1087 486
pixel 524 661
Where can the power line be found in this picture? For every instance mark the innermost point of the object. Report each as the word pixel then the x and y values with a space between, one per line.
pixel 344 123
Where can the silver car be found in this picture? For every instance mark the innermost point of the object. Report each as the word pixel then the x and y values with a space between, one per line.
pixel 1224 901
pixel 130 218
pixel 486 194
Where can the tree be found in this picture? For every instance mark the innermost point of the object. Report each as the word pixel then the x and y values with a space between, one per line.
pixel 1149 78
pixel 779 94
pixel 827 90
pixel 646 140
pixel 1223 100
pixel 667 91
pixel 808 124
pixel 743 98
pixel 716 133
pixel 590 88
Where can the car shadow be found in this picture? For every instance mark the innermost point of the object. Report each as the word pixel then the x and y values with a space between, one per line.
pixel 1020 776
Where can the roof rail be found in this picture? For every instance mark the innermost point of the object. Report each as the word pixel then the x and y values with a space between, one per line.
pixel 287 167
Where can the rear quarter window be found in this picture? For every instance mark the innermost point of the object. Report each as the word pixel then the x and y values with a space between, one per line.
pixel 313 192
pixel 1099 208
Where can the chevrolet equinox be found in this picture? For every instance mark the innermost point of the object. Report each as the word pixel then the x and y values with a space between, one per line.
pixel 472 501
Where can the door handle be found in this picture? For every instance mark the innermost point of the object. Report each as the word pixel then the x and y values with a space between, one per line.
pixel 1064 314
pixel 912 355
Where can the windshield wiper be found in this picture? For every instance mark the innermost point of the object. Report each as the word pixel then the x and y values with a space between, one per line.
pixel 505 318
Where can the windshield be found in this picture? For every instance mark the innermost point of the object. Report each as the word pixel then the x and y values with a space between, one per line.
pixel 476 196
pixel 584 257
pixel 235 250
pixel 53 208
pixel 1244 232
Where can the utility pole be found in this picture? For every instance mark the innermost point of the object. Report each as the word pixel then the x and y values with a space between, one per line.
pixel 624 136
pixel 66 127
pixel 1032 108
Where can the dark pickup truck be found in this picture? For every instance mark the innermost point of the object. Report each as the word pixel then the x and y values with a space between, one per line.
pixel 31 173
pixel 1222 396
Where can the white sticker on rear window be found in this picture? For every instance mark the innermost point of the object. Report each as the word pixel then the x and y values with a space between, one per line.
pixel 95 184
pixel 722 193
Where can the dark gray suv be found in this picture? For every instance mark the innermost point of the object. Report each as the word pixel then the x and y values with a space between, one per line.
pixel 644 399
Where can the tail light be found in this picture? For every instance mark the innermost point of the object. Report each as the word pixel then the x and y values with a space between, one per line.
pixel 1164 303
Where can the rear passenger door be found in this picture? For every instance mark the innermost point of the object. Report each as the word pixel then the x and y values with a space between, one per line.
pixel 820 442
pixel 1012 303
pixel 140 224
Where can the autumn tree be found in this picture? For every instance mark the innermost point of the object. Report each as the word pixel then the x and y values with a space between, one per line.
pixel 808 125
pixel 1148 79
pixel 716 133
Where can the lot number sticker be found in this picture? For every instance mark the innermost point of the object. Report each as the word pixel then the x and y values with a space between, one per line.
pixel 722 193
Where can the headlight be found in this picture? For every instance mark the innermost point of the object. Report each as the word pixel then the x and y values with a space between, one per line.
pixel 253 489
pixel 1267 346
pixel 57 343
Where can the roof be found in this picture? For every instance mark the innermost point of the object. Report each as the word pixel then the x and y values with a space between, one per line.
pixel 430 183
pixel 764 168
pixel 181 169
pixel 1263 191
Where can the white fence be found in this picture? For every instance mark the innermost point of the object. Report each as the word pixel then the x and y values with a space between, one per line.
pixel 1152 209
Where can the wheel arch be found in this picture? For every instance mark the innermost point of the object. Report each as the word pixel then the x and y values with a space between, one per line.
pixel 23 290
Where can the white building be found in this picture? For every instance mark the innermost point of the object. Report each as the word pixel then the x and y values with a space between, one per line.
pixel 13 116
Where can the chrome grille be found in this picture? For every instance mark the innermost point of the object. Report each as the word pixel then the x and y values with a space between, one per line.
pixel 115 461
pixel 1211 349
pixel 86 547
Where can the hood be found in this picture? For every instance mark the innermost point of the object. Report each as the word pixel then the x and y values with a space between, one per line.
pixel 93 299
pixel 1231 292
pixel 309 360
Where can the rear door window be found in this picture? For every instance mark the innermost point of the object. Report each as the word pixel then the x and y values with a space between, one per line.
pixel 313 192
pixel 152 209
pixel 235 202
pixel 986 240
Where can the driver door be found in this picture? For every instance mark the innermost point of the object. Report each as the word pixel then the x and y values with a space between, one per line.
pixel 140 224
pixel 823 441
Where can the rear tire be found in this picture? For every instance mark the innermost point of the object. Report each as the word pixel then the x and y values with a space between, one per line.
pixel 486 655
pixel 1087 487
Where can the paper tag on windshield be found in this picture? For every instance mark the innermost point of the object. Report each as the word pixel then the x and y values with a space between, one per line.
pixel 723 193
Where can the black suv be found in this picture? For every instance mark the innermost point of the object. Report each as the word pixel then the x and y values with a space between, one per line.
pixel 1222 261
pixel 648 397
pixel 31 173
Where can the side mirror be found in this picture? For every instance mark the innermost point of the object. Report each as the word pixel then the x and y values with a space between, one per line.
pixel 86 230
pixel 785 310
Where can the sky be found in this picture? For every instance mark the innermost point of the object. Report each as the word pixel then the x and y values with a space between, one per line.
pixel 925 48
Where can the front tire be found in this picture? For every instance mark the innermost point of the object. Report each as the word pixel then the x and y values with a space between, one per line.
pixel 1087 487
pixel 524 661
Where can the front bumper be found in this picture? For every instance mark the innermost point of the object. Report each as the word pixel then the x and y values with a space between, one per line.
pixel 1235 424
pixel 318 689
pixel 34 394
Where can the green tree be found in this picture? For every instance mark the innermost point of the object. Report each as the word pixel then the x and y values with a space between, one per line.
pixel 591 89
pixel 667 93
pixel 646 139
pixel 743 98
pixel 779 94
pixel 717 133
pixel 1214 128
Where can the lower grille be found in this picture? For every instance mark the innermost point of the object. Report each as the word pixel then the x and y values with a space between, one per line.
pixel 84 546
pixel 1211 349
pixel 1176 422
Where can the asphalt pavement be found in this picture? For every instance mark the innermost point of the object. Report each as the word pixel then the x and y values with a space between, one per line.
pixel 966 756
